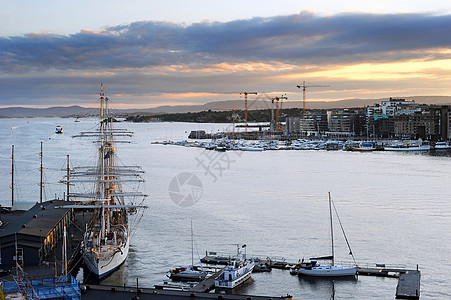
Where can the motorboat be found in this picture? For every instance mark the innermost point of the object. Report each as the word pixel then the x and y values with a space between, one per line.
pixel 364 147
pixel 442 146
pixel 262 267
pixel 236 272
pixel 190 273
pixel 408 146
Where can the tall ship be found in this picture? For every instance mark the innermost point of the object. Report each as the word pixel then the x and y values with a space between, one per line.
pixel 106 240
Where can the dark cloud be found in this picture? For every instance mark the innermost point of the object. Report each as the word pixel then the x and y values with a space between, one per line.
pixel 300 38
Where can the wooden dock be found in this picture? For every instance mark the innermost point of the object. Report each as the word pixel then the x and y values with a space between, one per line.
pixel 207 284
pixel 408 285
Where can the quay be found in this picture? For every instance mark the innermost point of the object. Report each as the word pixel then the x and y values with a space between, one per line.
pixel 95 292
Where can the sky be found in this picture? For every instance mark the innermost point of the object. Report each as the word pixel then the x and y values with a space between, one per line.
pixel 176 52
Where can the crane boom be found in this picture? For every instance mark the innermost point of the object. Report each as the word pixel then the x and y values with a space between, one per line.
pixel 304 88
pixel 245 101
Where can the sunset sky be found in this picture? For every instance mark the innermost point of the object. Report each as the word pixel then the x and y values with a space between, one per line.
pixel 150 53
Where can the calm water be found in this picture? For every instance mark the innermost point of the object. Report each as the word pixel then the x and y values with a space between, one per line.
pixel 395 207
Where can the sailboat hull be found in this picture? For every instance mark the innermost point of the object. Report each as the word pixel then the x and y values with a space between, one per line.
pixel 328 271
pixel 108 262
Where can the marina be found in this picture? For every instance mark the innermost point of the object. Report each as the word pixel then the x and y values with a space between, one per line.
pixel 287 284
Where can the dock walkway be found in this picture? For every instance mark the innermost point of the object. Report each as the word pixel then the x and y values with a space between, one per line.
pixel 408 285
pixel 207 284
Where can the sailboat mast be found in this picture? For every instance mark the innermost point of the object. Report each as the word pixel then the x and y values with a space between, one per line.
pixel 12 176
pixel 192 245
pixel 331 230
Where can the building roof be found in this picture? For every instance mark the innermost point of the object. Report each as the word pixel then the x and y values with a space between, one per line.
pixel 37 221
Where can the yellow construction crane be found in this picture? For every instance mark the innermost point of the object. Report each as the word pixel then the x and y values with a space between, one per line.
pixel 277 99
pixel 245 101
pixel 304 87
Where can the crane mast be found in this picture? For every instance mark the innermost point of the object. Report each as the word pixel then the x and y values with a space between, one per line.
pixel 304 87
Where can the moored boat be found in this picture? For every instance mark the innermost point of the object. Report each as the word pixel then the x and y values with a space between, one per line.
pixel 364 147
pixel 408 146
pixel 190 273
pixel 317 270
pixel 106 240
pixel 442 146
pixel 236 272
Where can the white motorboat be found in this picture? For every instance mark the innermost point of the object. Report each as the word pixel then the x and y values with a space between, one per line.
pixel 318 270
pixel 408 146
pixel 364 147
pixel 236 272
pixel 442 146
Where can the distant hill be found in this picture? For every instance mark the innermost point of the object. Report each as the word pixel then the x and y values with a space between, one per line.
pixel 254 103
pixel 57 111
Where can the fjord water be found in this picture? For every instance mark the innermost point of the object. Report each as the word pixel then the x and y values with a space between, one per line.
pixel 395 207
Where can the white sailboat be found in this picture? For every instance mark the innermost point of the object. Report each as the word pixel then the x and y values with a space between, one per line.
pixel 331 270
pixel 107 237
pixel 189 273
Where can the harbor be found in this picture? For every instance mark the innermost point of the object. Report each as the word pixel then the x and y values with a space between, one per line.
pixel 259 283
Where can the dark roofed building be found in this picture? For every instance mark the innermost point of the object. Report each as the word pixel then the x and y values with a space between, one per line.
pixel 37 231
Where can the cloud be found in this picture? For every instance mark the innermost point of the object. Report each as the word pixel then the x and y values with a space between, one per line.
pixel 258 53
pixel 300 38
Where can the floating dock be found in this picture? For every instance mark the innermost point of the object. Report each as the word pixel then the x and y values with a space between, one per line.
pixel 408 285
pixel 207 284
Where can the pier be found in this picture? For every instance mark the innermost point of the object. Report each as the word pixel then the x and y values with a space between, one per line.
pixel 408 285
pixel 207 284
pixel 95 292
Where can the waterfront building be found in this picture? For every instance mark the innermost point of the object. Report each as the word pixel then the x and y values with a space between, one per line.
pixel 314 123
pixel 36 231
pixel 346 122
pixel 293 125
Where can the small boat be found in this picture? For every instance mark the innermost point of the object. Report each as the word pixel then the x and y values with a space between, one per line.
pixel 408 146
pixel 59 129
pixel 236 272
pixel 190 273
pixel 221 147
pixel 262 267
pixel 252 147
pixel 332 270
pixel 77 120
pixel 442 146
pixel 364 147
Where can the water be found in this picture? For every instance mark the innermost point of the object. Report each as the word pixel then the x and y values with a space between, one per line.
pixel 395 207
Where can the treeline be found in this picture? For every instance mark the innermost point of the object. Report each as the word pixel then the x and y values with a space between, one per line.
pixel 263 115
